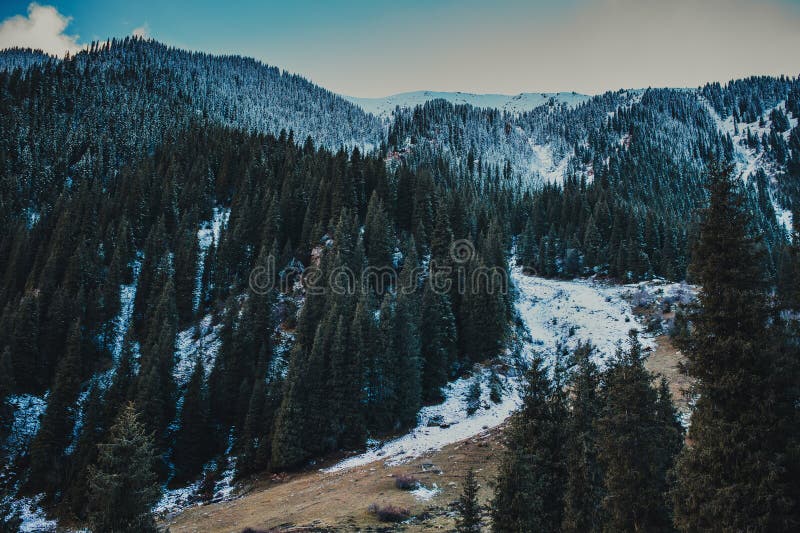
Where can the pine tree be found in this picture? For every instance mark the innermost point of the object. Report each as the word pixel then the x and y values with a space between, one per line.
pixel 584 478
pixel 193 442
pixel 378 240
pixel 633 450
pixel 530 485
pixel 53 436
pixel 472 398
pixel 186 254
pixel 469 509
pixel 156 387
pixel 346 387
pixel 122 485
pixel 406 343
pixel 738 473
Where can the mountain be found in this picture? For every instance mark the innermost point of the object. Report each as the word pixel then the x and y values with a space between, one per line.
pixel 385 107
pixel 202 236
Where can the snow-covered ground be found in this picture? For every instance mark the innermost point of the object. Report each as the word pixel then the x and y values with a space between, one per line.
pixel 33 517
pixel 554 312
pixel 173 500
pixel 566 312
pixel 127 295
pixel 208 233
pixel 518 103
pixel 440 425
pixel 748 160
pixel 200 341
pixel 28 410
pixel 543 162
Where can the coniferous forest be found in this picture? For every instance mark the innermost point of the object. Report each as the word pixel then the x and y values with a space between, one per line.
pixel 208 265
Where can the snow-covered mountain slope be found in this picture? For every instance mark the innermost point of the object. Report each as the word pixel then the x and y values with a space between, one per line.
pixel 12 58
pixel 554 312
pixel 748 160
pixel 384 107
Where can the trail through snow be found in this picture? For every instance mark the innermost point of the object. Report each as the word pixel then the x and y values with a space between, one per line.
pixel 554 312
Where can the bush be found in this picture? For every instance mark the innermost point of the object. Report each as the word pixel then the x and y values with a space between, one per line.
pixel 406 482
pixel 389 513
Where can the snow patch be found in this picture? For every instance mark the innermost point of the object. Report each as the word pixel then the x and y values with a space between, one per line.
pixel 200 340
pixel 28 411
pixel 555 312
pixel 558 312
pixel 423 493
pixel 33 518
pixel 209 232
pixel 127 295
pixel 440 425
pixel 544 164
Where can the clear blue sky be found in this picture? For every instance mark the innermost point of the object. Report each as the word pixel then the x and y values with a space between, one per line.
pixel 374 48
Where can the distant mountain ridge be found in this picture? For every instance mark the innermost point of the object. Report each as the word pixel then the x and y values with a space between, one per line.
pixel 385 106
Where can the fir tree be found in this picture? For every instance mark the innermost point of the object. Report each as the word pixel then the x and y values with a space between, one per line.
pixel 193 440
pixel 583 488
pixel 737 473
pixel 378 240
pixel 634 450
pixel 469 509
pixel 122 485
pixel 437 338
pixel 530 485
pixel 53 436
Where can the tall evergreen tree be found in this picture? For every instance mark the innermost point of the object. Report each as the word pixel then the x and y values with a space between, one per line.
pixel 193 442
pixel 437 339
pixel 583 489
pixel 122 485
pixel 48 446
pixel 469 509
pixel 738 472
pixel 635 451
pixel 530 485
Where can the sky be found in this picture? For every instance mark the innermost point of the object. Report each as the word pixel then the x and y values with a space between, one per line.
pixel 372 48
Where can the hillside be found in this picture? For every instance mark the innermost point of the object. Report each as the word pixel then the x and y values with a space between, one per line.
pixel 275 278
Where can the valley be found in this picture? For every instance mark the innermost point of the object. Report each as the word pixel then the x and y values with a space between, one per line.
pixel 334 495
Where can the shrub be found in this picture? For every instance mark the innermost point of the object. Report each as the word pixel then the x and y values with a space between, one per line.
pixel 406 482
pixel 389 513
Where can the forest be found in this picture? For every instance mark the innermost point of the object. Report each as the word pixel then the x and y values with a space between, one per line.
pixel 142 186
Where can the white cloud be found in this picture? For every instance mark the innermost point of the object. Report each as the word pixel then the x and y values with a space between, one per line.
pixel 142 31
pixel 43 29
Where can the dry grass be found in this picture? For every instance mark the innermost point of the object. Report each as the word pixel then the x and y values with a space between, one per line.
pixel 664 361
pixel 340 501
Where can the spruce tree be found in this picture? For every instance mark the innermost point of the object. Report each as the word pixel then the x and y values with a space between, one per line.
pixel 193 442
pixel 406 343
pixel 530 485
pixel 469 509
pixel 437 339
pixel 584 478
pixel 739 471
pixel 634 450
pixel 58 420
pixel 122 485
pixel 378 238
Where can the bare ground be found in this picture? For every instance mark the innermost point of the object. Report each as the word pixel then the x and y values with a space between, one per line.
pixel 339 501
